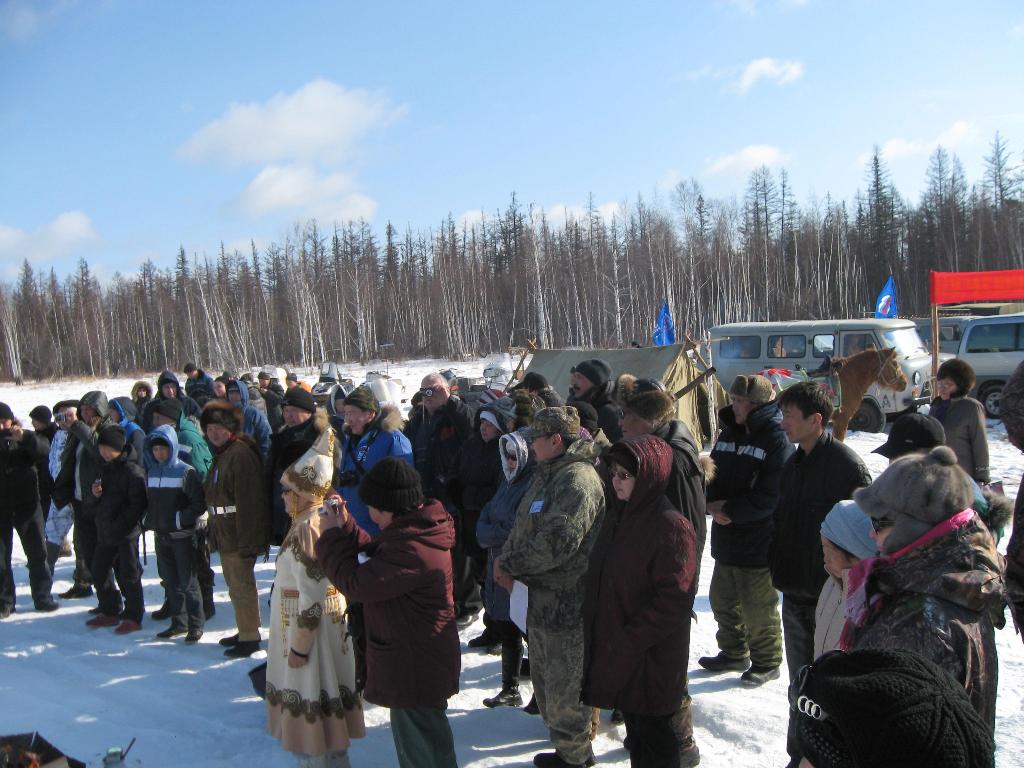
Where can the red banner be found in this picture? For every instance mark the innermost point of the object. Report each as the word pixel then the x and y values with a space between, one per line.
pixel 958 287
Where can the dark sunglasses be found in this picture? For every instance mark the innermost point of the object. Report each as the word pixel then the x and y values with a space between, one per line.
pixel 621 474
pixel 881 523
pixel 801 702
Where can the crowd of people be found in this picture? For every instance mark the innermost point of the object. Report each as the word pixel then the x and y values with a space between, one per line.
pixel 393 535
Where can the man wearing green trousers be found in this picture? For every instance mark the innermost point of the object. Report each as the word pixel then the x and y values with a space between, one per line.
pixel 749 457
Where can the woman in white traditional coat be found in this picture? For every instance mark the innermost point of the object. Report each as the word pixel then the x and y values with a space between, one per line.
pixel 312 706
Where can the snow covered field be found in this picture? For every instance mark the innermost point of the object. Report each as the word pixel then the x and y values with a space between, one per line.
pixel 90 690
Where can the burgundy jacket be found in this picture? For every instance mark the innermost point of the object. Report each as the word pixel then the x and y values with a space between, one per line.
pixel 412 642
pixel 640 591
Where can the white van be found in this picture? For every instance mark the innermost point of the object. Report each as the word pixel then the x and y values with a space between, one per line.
pixel 746 348
pixel 994 347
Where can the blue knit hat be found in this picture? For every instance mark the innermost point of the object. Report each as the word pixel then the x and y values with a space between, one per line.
pixel 848 527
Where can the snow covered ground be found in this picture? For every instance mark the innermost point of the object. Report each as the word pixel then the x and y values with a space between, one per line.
pixel 90 690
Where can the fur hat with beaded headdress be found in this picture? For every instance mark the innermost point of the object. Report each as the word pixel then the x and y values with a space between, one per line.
pixel 312 473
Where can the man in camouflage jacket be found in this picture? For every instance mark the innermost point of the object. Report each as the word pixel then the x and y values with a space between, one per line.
pixel 548 550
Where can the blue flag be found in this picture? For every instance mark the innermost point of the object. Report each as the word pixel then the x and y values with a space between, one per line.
pixel 885 304
pixel 664 332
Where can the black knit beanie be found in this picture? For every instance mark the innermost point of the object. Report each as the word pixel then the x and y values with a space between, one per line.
pixel 112 436
pixel 886 708
pixel 364 399
pixel 391 485
pixel 169 409
pixel 41 413
pixel 299 398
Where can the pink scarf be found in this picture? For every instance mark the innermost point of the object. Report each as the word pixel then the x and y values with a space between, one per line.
pixel 859 604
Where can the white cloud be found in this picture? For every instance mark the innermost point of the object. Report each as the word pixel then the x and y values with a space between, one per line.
pixel 301 188
pixel 898 147
pixel 470 219
pixel 320 121
pixel 776 70
pixel 21 19
pixel 670 180
pixel 60 238
pixel 749 158
pixel 1016 32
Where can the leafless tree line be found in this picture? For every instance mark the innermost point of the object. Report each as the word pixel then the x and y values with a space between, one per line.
pixel 473 287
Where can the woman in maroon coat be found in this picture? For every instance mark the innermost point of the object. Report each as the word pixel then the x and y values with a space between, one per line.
pixel 412 656
pixel 640 590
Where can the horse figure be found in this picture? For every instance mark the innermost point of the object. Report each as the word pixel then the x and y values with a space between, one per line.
pixel 856 374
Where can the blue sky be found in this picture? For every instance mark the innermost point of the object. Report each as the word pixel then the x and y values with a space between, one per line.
pixel 128 128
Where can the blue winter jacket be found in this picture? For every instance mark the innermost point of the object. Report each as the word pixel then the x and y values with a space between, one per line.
pixel 122 410
pixel 382 438
pixel 255 424
pixel 176 499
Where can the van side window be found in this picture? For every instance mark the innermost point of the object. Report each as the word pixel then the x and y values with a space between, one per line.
pixel 790 345
pixel 823 344
pixel 997 337
pixel 741 348
pixel 854 343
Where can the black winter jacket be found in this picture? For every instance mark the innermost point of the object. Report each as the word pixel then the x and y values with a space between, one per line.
pixel 80 460
pixel 188 405
pixel 608 412
pixel 811 485
pixel 19 486
pixel 480 472
pixel 43 476
pixel 437 447
pixel 748 471
pixel 120 508
pixel 686 484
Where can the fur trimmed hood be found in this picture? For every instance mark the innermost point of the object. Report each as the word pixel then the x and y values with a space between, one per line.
pixel 648 403
pixel 388 420
pixel 223 413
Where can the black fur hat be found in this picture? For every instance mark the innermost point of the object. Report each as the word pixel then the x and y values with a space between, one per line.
pixel 960 372
pixel 223 413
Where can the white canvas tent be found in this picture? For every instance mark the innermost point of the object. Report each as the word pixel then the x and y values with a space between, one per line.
pixel 670 364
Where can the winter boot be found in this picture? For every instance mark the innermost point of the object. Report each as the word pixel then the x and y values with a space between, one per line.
pixel 554 760
pixel 723 663
pixel 758 676
pixel 243 649
pixel 509 694
pixel 76 591
pixel 689 755
pixel 532 708
pixel 161 613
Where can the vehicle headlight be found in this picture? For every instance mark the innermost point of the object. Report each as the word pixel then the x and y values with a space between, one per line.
pixel 917 377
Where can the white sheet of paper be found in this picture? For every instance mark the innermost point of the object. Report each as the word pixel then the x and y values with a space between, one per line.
pixel 518 603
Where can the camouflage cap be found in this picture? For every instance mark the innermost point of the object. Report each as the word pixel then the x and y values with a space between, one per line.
pixel 562 420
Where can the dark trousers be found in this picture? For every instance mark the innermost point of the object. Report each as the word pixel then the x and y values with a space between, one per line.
pixel 356 626
pixel 652 741
pixel 176 563
pixel 84 539
pixel 30 531
pixel 124 558
pixel 466 573
pixel 423 737
pixel 204 573
pixel 798 632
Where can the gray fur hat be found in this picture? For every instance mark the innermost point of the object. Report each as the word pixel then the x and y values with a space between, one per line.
pixel 917 493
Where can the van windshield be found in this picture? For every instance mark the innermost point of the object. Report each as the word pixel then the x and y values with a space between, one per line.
pixel 905 341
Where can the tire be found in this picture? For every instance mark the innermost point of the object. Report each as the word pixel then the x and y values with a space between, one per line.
pixel 868 418
pixel 989 395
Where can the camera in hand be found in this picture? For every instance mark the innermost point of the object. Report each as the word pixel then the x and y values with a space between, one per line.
pixel 7 442
pixel 348 479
